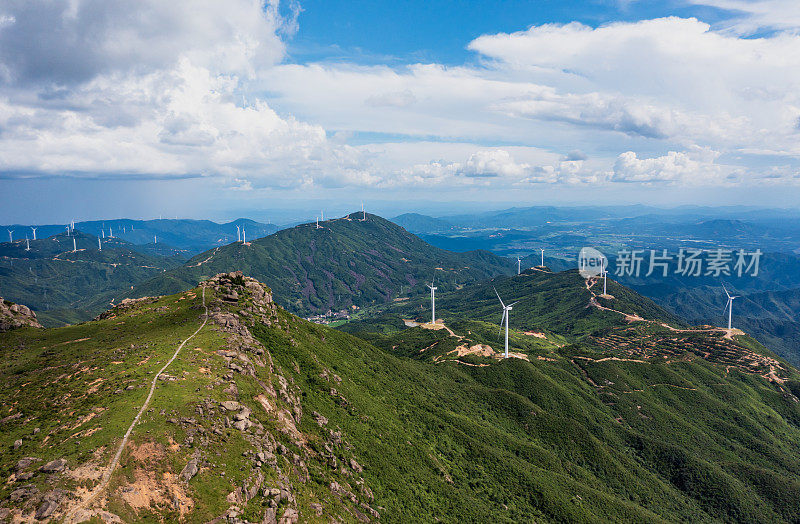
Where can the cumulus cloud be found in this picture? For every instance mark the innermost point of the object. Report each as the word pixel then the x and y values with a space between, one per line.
pixel 189 89
pixel 155 89
pixel 694 168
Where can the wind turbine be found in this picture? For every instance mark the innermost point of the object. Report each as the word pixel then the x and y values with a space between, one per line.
pixel 322 215
pixel 506 317
pixel 155 239
pixel 103 231
pixel 605 275
pixel 74 245
pixel 10 235
pixel 318 226
pixel 238 234
pixel 433 301
pixel 542 250
pixel 34 232
pixel 729 306
pixel 27 244
pixel 111 232
pixel 244 236
pixel 67 226
pixel 519 265
pixel 363 213
pixel 99 245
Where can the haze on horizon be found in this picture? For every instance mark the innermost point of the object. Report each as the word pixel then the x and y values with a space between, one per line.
pixel 210 109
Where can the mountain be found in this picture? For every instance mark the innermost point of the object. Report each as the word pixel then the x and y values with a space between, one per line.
pixel 416 223
pixel 191 236
pixel 347 263
pixel 215 403
pixel 65 286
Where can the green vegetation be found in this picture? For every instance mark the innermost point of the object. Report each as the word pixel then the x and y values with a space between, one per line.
pixel 623 422
pixel 346 263
pixel 63 286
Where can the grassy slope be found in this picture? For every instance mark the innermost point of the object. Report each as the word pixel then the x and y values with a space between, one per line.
pixel 348 262
pixel 514 441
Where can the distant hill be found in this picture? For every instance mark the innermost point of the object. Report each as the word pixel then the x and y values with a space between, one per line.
pixel 416 223
pixel 347 262
pixel 193 236
pixel 63 286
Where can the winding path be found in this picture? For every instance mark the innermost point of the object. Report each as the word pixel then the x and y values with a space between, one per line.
pixel 115 461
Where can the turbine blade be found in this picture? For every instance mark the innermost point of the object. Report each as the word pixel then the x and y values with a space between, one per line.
pixel 500 332
pixel 726 290
pixel 498 296
pixel 517 302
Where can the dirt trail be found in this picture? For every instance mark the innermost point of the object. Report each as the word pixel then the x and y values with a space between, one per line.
pixel 590 282
pixel 70 518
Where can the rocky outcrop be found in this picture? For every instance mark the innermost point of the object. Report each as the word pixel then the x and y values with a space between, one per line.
pixel 13 316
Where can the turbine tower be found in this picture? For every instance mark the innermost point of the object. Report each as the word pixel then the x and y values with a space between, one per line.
pixel 605 275
pixel 111 232
pixel 363 213
pixel 103 232
pixel 542 250
pixel 74 245
pixel 729 306
pixel 433 301
pixel 34 232
pixel 27 244
pixel 155 239
pixel 238 234
pixel 244 236
pixel 519 265
pixel 99 245
pixel 506 317
pixel 10 235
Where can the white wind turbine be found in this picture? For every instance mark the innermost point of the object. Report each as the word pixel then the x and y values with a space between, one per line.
pixel 542 250
pixel 99 245
pixel 363 213
pixel 729 306
pixel 34 232
pixel 433 301
pixel 605 275
pixel 318 226
pixel 155 239
pixel 27 244
pixel 103 232
pixel 10 235
pixel 238 234
pixel 506 316
pixel 74 245
pixel 519 265
pixel 244 236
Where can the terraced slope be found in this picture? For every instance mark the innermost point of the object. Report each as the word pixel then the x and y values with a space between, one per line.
pixel 263 417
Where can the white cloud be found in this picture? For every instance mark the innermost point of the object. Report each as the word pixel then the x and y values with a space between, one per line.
pixel 200 88
pixel 695 168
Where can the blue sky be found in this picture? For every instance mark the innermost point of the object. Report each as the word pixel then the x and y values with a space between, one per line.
pixel 366 31
pixel 205 108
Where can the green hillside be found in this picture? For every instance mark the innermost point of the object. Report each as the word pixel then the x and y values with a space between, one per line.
pixel 262 416
pixel 65 286
pixel 557 302
pixel 346 262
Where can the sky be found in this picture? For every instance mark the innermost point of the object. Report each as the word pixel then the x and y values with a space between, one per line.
pixel 220 109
